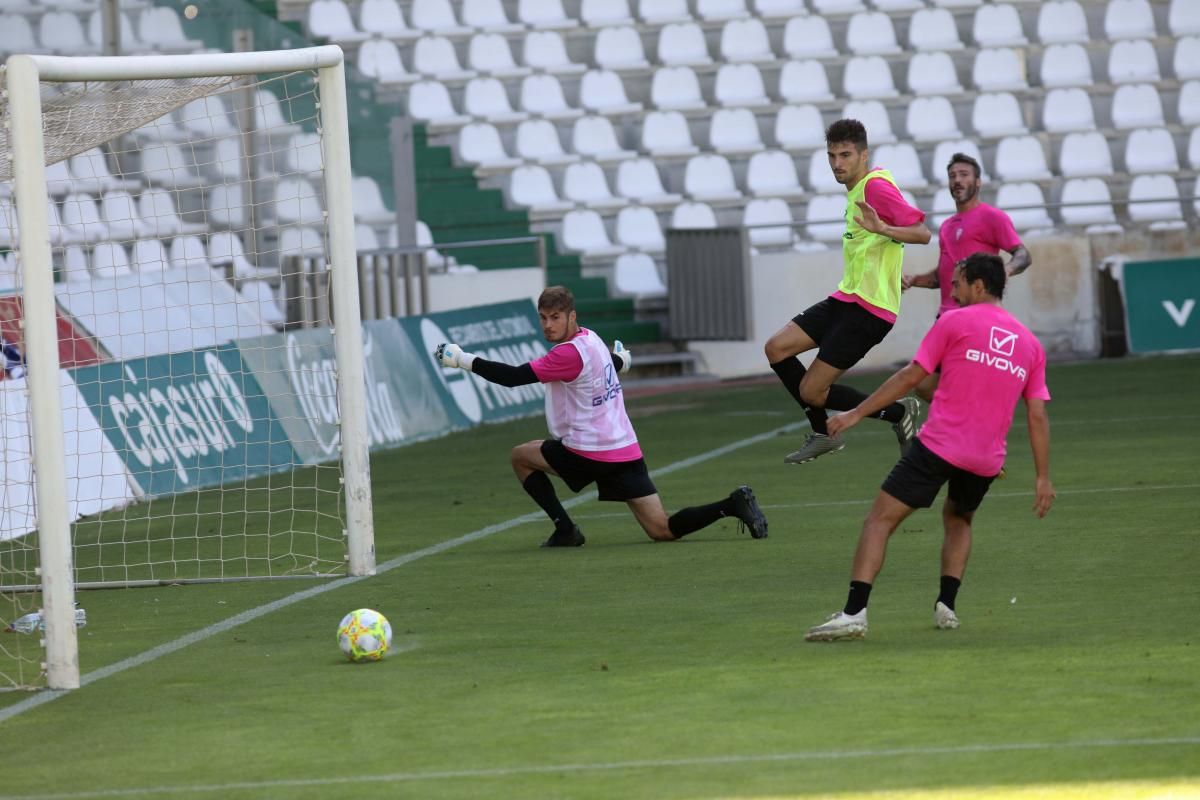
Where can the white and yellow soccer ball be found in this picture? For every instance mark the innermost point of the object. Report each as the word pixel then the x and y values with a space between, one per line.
pixel 364 635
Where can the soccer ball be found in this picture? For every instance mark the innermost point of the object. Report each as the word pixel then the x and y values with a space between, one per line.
pixel 364 635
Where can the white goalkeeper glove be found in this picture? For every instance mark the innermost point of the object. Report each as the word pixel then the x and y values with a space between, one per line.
pixel 451 355
pixel 625 355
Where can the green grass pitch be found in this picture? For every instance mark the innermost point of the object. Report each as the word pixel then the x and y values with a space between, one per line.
pixel 632 669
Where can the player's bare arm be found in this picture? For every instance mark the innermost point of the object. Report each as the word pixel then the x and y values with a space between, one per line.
pixel 895 387
pixel 1020 261
pixel 1039 441
pixel 923 280
pixel 870 220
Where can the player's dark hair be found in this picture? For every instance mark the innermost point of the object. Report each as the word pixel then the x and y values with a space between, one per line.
pixel 847 130
pixel 556 298
pixel 985 267
pixel 963 158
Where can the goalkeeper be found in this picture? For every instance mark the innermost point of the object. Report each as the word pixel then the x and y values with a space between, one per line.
pixel 593 439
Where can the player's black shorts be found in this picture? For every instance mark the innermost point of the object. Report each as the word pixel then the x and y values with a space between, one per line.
pixel 844 331
pixel 919 474
pixel 616 480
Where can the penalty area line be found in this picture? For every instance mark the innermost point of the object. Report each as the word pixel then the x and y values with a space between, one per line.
pixel 249 615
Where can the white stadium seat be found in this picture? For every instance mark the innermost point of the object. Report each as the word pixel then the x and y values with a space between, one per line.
pixel 779 9
pixel 435 57
pixel 584 183
pixel 1066 65
pixel 944 208
pixel 1129 19
pixel 384 18
pixel 296 201
pixel 1186 63
pixel 90 173
pixel 804 81
pixel 931 119
pixel 1189 103
pixel 545 50
pixel 1193 150
pixel 874 116
pixel 602 91
pixel 330 19
pixel 602 13
pixel 1083 155
pixel 479 143
pixel 489 53
pixel 999 70
pixel 799 127
pixel 1137 106
pixel 946 150
pixel 537 140
pixel 368 201
pixel 710 178
pixel 638 229
pixel 998 25
pixel 820 176
pixel 734 130
pixel 487 98
pixel 543 95
pixel 109 261
pixel 583 231
pixel 532 187
pixel 660 12
pixel 869 77
pixel 636 275
pixel 826 217
pixel 639 180
pixel 1061 21
pixel 120 214
pixel 718 10
pixel 544 14
pixel 488 15
pixel 773 212
pixel 997 114
pixel 682 43
pixel 772 173
pixel 157 209
pixel 808 36
pixel 1133 61
pixel 740 85
pixel 225 247
pixel 620 48
pixel 429 101
pixel 1021 158
pixel 62 32
pixel 1012 196
pixel 902 161
pixel 934 29
pixel 1094 192
pixel 594 137
pixel 693 215
pixel 1150 150
pixel 1154 198
pixel 1183 18
pixel 666 133
pixel 745 40
pixel 188 252
pixel 932 74
pixel 676 88
pixel 436 16
pixel 871 33
pixel 162 29
pixel 824 7
pixel 1067 110
pixel 380 59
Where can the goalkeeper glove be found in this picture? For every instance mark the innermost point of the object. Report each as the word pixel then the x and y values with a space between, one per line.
pixel 625 355
pixel 451 355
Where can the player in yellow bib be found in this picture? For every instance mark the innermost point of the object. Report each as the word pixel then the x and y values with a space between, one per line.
pixel 856 317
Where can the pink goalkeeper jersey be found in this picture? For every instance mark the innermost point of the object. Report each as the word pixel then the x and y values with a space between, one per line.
pixel 988 361
pixel 982 229
pixel 584 404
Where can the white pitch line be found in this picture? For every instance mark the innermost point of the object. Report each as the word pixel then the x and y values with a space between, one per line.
pixel 613 766
pixel 46 696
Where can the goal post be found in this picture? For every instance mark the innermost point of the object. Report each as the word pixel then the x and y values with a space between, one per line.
pixel 36 141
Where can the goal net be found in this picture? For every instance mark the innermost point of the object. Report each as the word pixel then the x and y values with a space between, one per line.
pixel 163 421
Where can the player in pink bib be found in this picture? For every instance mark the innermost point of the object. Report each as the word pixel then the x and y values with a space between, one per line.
pixel 593 439
pixel 989 361
pixel 975 227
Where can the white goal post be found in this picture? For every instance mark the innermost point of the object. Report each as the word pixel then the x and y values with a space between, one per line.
pixel 31 147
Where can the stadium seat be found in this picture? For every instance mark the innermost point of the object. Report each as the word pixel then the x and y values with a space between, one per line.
pixel 932 74
pixel 161 28
pixel 1183 18
pixel 436 16
pixel 303 154
pixel 60 231
pixel 435 57
pixel 1021 158
pixel 1066 65
pixel 424 237
pixel 709 178
pixel 639 180
pixel 537 140
pixel 1067 110
pixel 429 101
pixel 825 7
pixel 601 91
pixel 661 12
pixel 779 9
pixel 259 295
pixel 745 40
pixel 944 208
pixel 76 268
pixel 826 217
pixel 693 216
pixel 120 215
pixel 804 81
pixel 489 53
pixel 1145 190
pixel 638 229
pixel 1062 21
pixel 933 29
pixel 109 261
pixel 1025 205
pixel 90 173
pixel 488 15
pixel 227 205
pixel 62 32
pixel 931 119
pixel 1133 61
pixel 17 35
pixel 130 44
pixel 682 43
pixel 740 85
pixel 583 231
pixel 898 5
pixel 58 178
pixel 808 36
pixel 799 127
pixel 188 252
pixel 874 116
pixel 946 150
pixel 998 25
pixel 165 164
pixel 1189 103
pixel 1186 64
pixel 820 176
pixel 302 241
pixel 584 183
pixel 487 98
pixel 734 130
pixel 997 114
pixel 156 207
pixel 479 143
pixel 871 33
pixel 666 134
pixel 296 201
pixel 368 201
pixel 380 59
pixel 958 3
pixel 636 275
pixel 620 48
pixel 1149 150
pixel 772 173
pixel 869 77
pixel 532 188
pixel 771 211
pixel 330 19
pixel 1193 150
pixel 676 88
pixel 721 10
pixel 543 14
pixel 8 222
pixel 602 13
pixel 1129 19
pixel 1092 191
pixel 225 249
pixel 545 50
pixel 999 70
pixel 1137 106
pixel 902 161
pixel 383 18
pixel 543 95
pixel 594 137
pixel 1083 155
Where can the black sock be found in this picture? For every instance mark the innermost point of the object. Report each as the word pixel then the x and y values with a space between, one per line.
pixel 844 398
pixel 691 519
pixel 856 601
pixel 949 591
pixel 817 419
pixel 538 486
pixel 791 372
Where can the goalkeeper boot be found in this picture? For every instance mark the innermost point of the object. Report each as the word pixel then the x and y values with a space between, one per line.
pixel 815 446
pixel 572 537
pixel 839 626
pixel 906 428
pixel 944 617
pixel 745 508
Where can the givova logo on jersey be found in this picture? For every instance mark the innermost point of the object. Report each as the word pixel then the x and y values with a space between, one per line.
pixel 612 387
pixel 1001 346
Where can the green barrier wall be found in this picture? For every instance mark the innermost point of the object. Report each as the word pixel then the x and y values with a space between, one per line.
pixel 1160 304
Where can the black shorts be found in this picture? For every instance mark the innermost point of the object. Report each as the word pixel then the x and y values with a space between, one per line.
pixel 844 331
pixel 919 474
pixel 616 480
